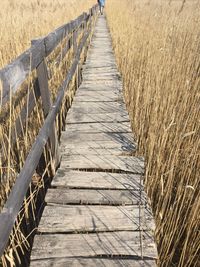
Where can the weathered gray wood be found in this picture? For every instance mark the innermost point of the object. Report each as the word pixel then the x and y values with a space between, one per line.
pixel 91 245
pixel 94 196
pixel 110 86
pixel 44 87
pixel 77 142
pixel 103 76
pixel 75 41
pixel 108 143
pixel 55 37
pixel 96 96
pixel 83 219
pixel 79 137
pixel 87 118
pixel 64 51
pixel 100 162
pixel 100 71
pixel 104 83
pixel 98 180
pixel 46 105
pixel 107 148
pixel 14 74
pixel 103 127
pixel 106 63
pixel 93 262
pixel 98 108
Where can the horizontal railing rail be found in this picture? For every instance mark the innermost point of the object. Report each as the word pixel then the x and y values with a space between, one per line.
pixel 12 76
pixel 15 73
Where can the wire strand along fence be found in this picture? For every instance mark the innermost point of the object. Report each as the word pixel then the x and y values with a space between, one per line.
pixel 37 64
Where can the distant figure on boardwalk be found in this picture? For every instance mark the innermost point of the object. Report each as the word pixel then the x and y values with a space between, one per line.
pixel 101 5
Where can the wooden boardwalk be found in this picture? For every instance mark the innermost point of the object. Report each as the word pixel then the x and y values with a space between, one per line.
pixel 97 212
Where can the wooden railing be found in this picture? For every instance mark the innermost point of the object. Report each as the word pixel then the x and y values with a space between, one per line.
pixel 13 76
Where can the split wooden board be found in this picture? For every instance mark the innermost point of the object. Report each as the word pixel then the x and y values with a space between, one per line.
pixel 94 218
pixel 97 180
pixel 99 127
pixel 63 196
pixel 121 243
pixel 103 162
pixel 98 108
pixel 94 262
pixel 92 118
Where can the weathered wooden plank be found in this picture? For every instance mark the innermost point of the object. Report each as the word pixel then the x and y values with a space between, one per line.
pixel 79 137
pixel 103 127
pixel 83 219
pixel 98 108
pixel 100 76
pixel 100 53
pixel 93 262
pixel 95 197
pixel 100 71
pixel 108 149
pixel 100 63
pixel 92 94
pixel 98 96
pixel 44 87
pixel 105 83
pixel 109 86
pixel 98 180
pixel 91 245
pixel 77 142
pixel 108 65
pixel 87 118
pixel 101 162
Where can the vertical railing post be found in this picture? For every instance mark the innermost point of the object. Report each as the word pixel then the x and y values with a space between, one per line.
pixel 75 41
pixel 42 75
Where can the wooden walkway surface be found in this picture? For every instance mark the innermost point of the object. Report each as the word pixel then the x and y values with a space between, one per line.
pixel 97 213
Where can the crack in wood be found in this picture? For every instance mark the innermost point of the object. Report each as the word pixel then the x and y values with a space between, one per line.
pixel 103 170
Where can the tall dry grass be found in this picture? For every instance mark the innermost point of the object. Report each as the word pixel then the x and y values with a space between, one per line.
pixel 157 46
pixel 21 21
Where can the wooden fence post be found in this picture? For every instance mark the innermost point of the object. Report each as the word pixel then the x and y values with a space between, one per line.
pixel 42 74
pixel 75 41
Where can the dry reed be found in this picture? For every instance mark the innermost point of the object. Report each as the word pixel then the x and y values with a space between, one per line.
pixel 157 49
pixel 22 20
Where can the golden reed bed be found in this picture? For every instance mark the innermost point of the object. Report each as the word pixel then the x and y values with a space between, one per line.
pixel 156 43
pixel 22 20
pixel 157 48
